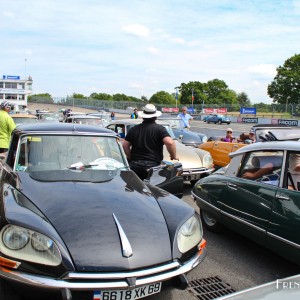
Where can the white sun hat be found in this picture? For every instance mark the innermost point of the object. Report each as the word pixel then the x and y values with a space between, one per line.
pixel 149 111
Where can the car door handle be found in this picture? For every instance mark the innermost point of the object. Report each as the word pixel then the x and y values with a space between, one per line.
pixel 232 186
pixel 283 198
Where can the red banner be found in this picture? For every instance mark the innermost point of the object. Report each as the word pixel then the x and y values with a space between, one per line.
pixel 221 110
pixel 170 110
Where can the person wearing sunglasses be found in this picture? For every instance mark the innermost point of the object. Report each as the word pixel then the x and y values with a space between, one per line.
pixel 185 117
pixel 229 137
pixel 7 125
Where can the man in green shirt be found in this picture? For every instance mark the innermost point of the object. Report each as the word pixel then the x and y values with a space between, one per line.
pixel 7 125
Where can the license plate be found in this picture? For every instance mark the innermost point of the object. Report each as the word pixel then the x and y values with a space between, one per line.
pixel 136 293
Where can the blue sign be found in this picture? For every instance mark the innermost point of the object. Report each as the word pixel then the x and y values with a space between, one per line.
pixel 248 110
pixel 190 110
pixel 11 77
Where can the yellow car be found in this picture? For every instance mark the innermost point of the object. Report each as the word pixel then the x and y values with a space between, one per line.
pixel 263 133
pixel 220 151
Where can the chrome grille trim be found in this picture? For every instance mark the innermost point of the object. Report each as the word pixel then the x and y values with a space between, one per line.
pixel 119 275
pixel 88 284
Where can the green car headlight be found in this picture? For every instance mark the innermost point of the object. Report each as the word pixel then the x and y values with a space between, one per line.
pixel 189 234
pixel 21 243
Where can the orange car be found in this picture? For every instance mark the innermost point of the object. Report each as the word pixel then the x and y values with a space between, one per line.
pixel 219 151
pixel 263 132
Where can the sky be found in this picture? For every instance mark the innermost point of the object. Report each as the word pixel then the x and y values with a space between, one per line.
pixel 138 47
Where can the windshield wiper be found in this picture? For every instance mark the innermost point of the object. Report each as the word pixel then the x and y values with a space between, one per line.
pixel 81 166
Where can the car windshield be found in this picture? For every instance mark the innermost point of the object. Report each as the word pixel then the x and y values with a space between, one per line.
pixel 60 152
pixel 170 131
pixel 24 120
pixel 176 123
pixel 86 121
pixel 48 116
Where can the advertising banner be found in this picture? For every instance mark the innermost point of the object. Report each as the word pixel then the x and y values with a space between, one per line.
pixel 248 110
pixel 11 77
pixel 170 109
pixel 249 120
pixel 221 110
pixel 287 122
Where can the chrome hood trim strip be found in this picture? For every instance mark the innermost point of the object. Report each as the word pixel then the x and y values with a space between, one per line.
pixel 126 247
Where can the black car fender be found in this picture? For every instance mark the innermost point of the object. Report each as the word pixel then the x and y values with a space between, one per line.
pixel 179 210
pixel 18 210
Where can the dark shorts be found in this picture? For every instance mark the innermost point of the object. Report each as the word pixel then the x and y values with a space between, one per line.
pixel 140 167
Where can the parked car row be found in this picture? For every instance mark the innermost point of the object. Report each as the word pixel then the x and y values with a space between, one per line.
pixel 96 119
pixel 48 243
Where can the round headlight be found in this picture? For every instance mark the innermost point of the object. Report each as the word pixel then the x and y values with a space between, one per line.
pixel 15 238
pixel 40 242
pixel 189 235
pixel 208 159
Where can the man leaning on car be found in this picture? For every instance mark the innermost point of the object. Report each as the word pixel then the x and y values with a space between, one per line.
pixel 143 144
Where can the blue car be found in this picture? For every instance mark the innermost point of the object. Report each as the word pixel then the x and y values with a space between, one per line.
pixel 218 119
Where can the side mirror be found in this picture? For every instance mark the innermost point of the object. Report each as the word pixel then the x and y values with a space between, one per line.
pixel 181 137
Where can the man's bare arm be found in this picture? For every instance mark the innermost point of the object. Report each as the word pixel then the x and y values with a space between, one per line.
pixel 127 149
pixel 171 147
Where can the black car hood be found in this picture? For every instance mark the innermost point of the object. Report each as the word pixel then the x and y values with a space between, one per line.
pixel 82 214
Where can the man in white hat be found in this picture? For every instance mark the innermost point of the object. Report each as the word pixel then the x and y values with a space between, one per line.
pixel 7 125
pixel 144 143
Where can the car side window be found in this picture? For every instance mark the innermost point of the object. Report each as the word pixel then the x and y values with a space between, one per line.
pixel 263 166
pixel 292 179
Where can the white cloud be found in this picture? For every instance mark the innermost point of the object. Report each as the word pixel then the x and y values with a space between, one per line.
pixel 263 69
pixel 177 40
pixel 136 29
pixel 153 50
pixel 8 14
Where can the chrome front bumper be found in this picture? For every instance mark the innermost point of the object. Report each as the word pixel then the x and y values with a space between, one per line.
pixel 194 174
pixel 94 281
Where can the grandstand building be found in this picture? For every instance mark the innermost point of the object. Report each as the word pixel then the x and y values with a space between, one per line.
pixel 15 90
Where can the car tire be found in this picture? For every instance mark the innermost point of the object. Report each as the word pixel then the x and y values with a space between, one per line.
pixel 209 222
pixel 7 291
pixel 228 123
pixel 215 122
